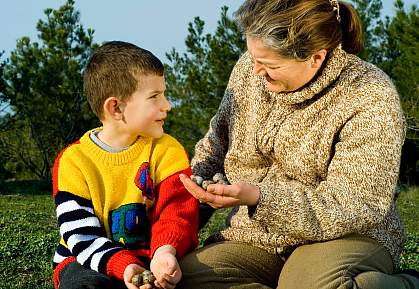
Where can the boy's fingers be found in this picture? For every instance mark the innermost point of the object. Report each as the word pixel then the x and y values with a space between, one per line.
pixel 170 279
pixel 163 283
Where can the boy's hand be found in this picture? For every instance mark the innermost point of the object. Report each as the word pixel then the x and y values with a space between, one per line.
pixel 129 272
pixel 165 267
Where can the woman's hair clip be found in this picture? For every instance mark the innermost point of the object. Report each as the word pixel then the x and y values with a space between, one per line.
pixel 335 5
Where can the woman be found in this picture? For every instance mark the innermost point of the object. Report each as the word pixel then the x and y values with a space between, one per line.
pixel 310 138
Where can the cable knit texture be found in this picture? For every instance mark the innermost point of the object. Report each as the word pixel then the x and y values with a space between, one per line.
pixel 326 157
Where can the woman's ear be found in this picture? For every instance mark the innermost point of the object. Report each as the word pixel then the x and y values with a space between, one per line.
pixel 113 108
pixel 318 58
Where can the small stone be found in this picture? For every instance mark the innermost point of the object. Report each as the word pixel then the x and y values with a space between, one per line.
pixel 206 183
pixel 222 182
pixel 137 280
pixel 197 179
pixel 218 177
pixel 145 277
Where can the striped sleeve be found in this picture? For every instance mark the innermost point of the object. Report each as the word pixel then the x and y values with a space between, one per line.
pixel 82 232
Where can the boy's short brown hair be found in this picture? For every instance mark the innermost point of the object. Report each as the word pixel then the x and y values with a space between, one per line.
pixel 114 69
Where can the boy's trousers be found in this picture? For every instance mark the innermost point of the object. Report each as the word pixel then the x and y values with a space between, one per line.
pixel 75 276
pixel 349 262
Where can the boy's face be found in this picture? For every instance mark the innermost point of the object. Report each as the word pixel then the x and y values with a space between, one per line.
pixel 147 108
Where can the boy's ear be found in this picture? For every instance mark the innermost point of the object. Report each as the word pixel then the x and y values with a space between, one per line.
pixel 114 108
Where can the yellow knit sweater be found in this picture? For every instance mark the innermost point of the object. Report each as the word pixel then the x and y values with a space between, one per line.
pixel 107 202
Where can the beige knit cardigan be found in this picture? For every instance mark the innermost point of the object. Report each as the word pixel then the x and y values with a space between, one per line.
pixel 326 157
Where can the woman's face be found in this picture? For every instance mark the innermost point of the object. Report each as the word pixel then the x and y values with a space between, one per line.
pixel 281 74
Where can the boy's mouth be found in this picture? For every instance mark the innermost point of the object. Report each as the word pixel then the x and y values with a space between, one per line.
pixel 161 121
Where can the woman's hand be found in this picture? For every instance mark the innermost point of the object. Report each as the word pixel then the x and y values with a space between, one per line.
pixel 223 196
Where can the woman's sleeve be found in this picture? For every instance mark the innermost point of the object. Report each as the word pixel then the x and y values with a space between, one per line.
pixel 211 150
pixel 358 191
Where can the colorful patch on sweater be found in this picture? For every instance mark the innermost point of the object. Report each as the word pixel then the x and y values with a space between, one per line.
pixel 130 225
pixel 144 181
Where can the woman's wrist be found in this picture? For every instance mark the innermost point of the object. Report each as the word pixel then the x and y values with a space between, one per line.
pixel 251 209
pixel 255 196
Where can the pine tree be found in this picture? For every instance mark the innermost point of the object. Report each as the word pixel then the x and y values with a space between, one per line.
pixel 42 83
pixel 196 80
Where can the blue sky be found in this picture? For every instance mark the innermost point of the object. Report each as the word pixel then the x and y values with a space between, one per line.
pixel 157 25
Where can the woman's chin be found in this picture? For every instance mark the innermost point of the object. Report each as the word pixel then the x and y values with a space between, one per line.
pixel 274 87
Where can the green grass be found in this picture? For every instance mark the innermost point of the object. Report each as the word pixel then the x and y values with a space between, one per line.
pixel 29 236
pixel 408 204
pixel 28 239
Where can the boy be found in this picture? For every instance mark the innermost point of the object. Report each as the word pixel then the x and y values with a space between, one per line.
pixel 118 197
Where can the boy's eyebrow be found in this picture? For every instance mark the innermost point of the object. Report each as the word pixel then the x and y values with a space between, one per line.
pixel 157 91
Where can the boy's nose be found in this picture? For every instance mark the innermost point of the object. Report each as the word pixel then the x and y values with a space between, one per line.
pixel 166 104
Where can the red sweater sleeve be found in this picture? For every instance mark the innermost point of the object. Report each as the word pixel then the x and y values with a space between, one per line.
pixel 119 261
pixel 175 217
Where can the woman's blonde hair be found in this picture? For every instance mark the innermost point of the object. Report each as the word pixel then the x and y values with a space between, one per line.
pixel 299 28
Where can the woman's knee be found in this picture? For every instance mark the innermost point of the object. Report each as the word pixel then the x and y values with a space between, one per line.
pixel 238 263
pixel 334 264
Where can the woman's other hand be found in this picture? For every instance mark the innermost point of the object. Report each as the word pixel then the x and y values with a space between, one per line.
pixel 223 196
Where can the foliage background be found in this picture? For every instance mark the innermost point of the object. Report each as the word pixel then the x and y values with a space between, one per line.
pixel 41 85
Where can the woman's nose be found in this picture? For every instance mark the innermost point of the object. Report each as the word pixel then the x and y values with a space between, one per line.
pixel 258 69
